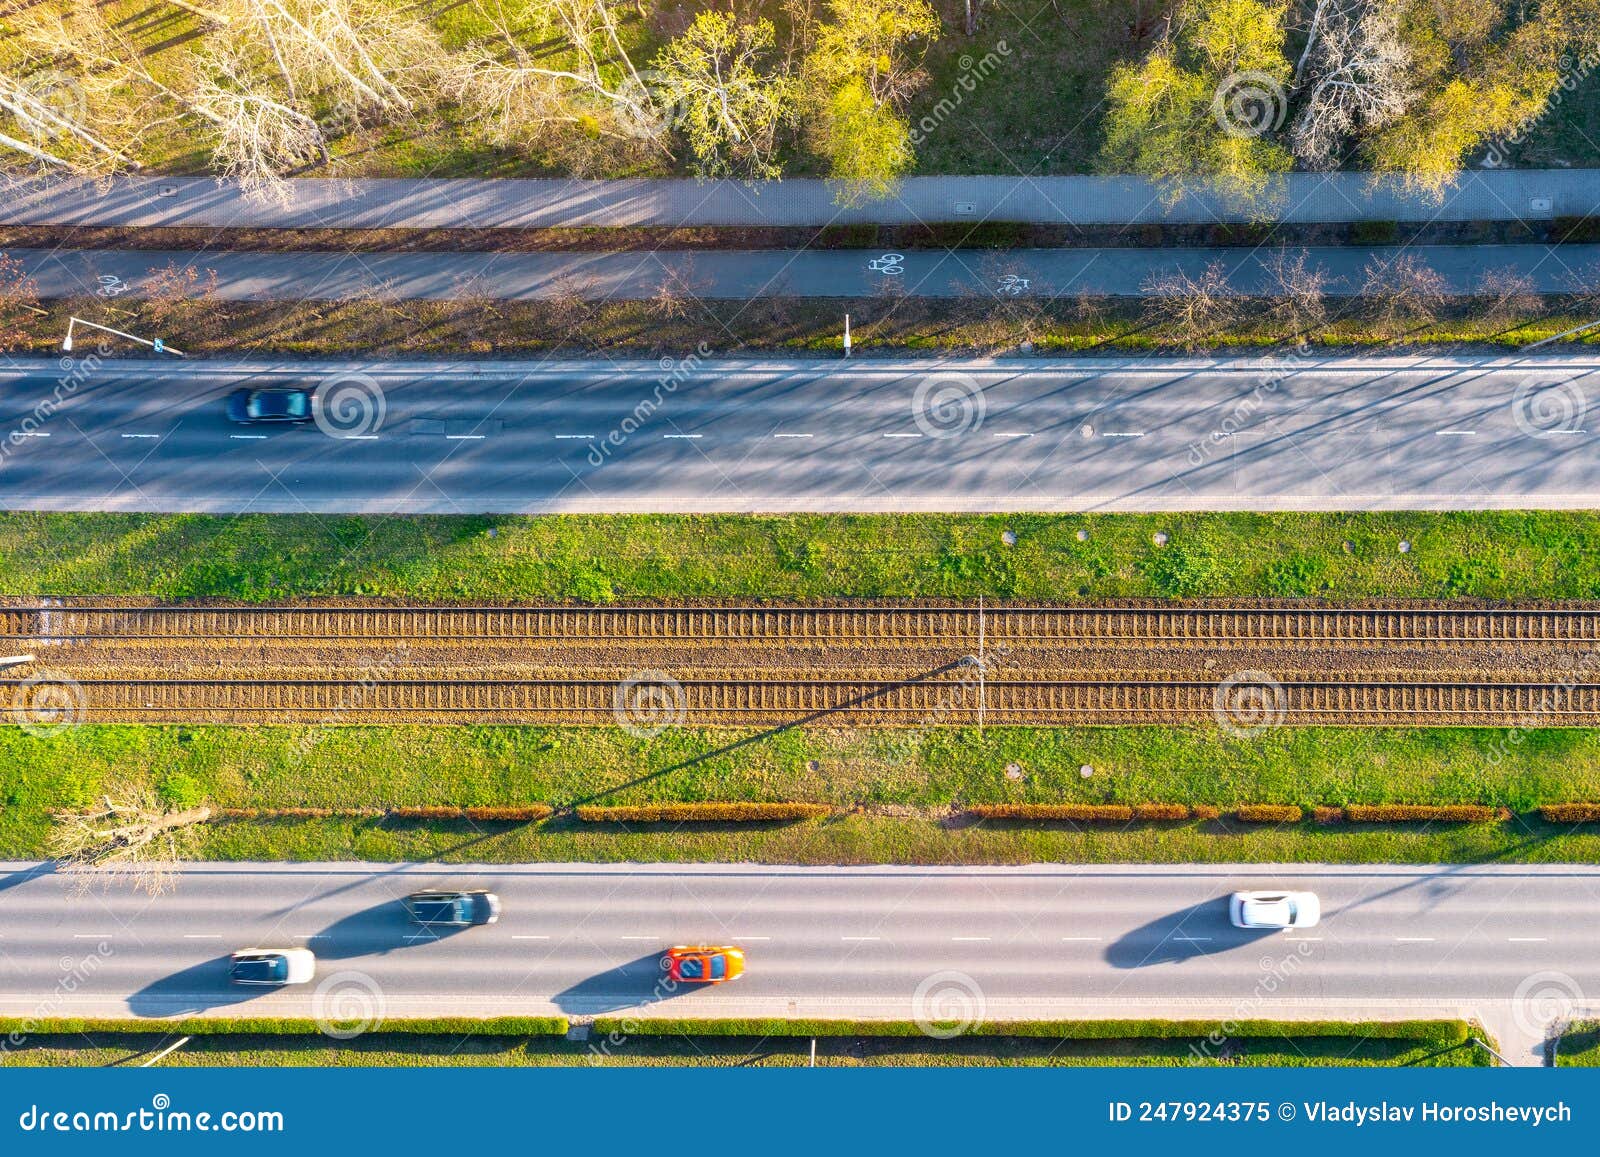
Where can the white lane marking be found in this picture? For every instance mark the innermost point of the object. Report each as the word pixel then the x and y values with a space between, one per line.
pixel 1015 434
pixel 1082 939
pixel 574 437
pixel 93 935
pixel 248 437
pixel 902 435
pixel 361 437
pixel 1414 939
pixel 33 433
pixel 683 436
pixel 202 936
pixel 309 936
pixel 793 435
pixel 861 938
pixel 970 939
pixel 736 939
pixel 1456 433
pixel 141 435
pixel 1568 431
pixel 1195 939
pixel 1123 434
pixel 530 937
pixel 1526 939
pixel 638 938
pixel 465 437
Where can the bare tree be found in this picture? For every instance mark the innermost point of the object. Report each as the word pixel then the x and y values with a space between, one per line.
pixel 1403 291
pixel 1301 289
pixel 678 293
pixel 1353 77
pixel 1507 297
pixel 521 96
pixel 173 292
pixel 132 839
pixel 1193 310
pixel 19 303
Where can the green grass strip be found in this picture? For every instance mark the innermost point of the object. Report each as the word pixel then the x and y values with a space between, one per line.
pixel 598 558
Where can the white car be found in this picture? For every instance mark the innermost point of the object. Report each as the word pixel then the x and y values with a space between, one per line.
pixel 1274 910
pixel 272 966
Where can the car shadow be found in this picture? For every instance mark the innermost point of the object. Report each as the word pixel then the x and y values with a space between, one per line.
pixel 1201 930
pixel 375 931
pixel 195 989
pixel 638 982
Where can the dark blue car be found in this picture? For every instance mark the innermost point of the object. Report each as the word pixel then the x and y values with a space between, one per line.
pixel 290 405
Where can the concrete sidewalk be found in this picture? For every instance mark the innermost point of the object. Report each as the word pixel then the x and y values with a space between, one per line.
pixel 1498 195
pixel 1022 274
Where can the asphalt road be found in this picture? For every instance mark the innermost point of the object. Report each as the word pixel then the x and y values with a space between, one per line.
pixel 1039 941
pixel 822 435
pixel 1022 275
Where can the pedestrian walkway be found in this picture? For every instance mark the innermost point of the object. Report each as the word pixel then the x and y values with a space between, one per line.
pixel 1500 195
pixel 980 274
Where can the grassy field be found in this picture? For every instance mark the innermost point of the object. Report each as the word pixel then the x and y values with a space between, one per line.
pixel 897 791
pixel 600 559
pixel 1277 1050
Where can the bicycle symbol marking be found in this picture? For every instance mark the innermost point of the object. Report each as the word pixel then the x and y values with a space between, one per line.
pixel 890 264
pixel 1013 286
pixel 111 285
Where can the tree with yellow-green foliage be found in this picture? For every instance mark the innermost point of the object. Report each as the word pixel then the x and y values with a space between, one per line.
pixel 1204 103
pixel 865 62
pixel 724 98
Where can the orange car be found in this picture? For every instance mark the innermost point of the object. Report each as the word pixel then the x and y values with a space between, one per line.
pixel 703 965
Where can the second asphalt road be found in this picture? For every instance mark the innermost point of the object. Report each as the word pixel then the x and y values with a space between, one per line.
pixel 698 435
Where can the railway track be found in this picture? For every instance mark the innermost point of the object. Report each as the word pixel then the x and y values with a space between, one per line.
pixel 46 625
pixel 943 699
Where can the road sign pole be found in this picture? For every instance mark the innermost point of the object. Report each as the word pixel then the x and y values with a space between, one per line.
pixel 847 335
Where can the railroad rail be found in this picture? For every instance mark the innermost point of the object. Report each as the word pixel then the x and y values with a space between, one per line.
pixel 65 625
pixel 942 699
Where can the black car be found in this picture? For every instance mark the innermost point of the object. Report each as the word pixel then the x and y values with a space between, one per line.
pixel 291 405
pixel 453 909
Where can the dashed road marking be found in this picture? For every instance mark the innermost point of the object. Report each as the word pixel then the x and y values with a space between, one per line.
pixel 141 435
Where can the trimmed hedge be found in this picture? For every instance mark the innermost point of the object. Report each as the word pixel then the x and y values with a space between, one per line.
pixel 1570 813
pixel 1268 813
pixel 1399 813
pixel 714 813
pixel 283 1026
pixel 1437 1033
pixel 1089 813
pixel 1161 811
pixel 522 813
